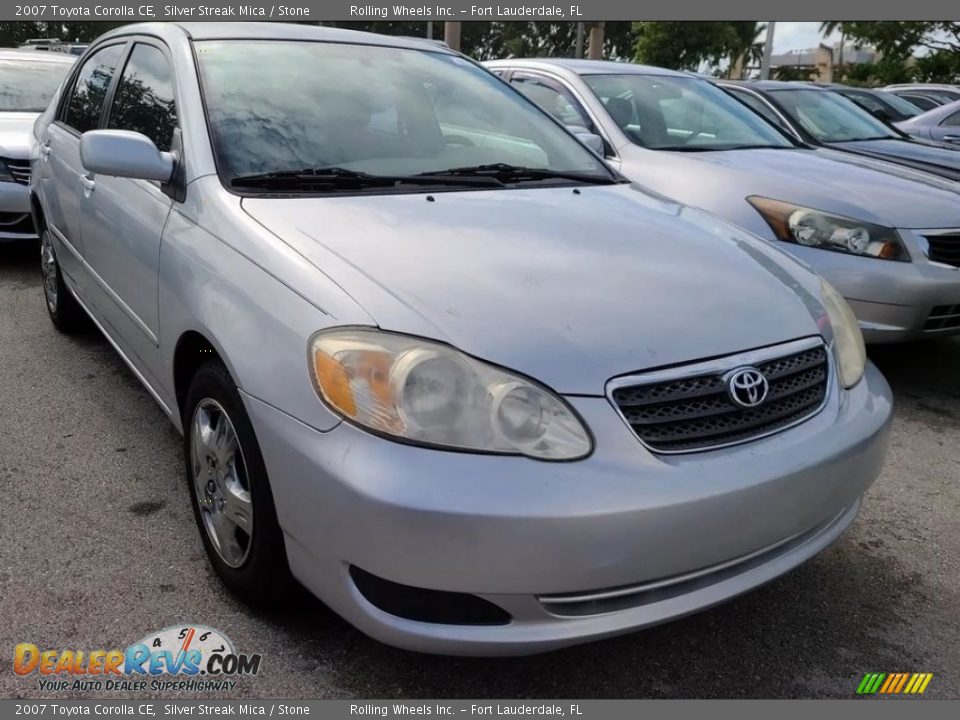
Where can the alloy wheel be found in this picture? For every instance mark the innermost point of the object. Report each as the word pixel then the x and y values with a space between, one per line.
pixel 221 483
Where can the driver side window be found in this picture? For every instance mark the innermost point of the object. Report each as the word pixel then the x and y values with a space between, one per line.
pixel 83 109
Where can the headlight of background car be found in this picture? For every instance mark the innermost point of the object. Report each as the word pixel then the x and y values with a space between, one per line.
pixel 847 338
pixel 430 394
pixel 814 228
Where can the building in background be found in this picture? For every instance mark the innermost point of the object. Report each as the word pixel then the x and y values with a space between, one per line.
pixel 821 63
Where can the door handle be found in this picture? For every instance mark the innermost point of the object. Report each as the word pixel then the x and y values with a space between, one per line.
pixel 45 149
pixel 88 183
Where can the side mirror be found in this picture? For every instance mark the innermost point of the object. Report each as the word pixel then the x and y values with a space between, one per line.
pixel 591 140
pixel 124 153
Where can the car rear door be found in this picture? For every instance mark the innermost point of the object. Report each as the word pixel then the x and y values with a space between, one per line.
pixel 948 130
pixel 123 218
pixel 61 173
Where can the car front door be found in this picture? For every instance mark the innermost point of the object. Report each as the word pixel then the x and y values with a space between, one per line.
pixel 948 130
pixel 61 175
pixel 123 218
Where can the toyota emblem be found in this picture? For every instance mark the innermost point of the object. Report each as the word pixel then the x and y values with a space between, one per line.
pixel 747 387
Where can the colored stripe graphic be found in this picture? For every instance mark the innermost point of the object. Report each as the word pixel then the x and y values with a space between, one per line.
pixel 894 683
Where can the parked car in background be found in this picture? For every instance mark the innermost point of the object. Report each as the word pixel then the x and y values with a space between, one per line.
pixel 26 85
pixel 884 106
pixel 826 118
pixel 945 93
pixel 941 124
pixel 53 45
pixel 363 276
pixel 923 101
pixel 887 236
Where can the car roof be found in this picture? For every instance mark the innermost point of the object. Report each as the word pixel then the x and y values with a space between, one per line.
pixel 54 56
pixel 764 85
pixel 275 31
pixel 585 67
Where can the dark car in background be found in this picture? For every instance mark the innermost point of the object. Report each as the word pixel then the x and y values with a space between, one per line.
pixel 941 92
pixel 818 116
pixel 884 106
pixel 922 100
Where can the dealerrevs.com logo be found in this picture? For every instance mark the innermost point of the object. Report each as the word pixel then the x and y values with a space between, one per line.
pixel 183 657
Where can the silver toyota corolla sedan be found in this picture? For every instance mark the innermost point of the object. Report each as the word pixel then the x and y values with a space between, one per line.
pixel 27 82
pixel 887 236
pixel 430 356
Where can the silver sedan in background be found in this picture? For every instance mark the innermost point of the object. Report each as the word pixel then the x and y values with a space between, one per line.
pixel 887 236
pixel 361 275
pixel 27 83
pixel 941 124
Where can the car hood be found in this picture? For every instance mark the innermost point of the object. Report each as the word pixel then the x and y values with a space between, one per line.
pixel 941 160
pixel 571 287
pixel 15 129
pixel 830 180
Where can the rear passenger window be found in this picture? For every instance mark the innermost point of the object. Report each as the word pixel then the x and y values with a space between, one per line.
pixel 144 98
pixel 952 120
pixel 90 91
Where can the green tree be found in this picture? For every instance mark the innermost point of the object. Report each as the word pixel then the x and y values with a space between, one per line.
pixel 897 42
pixel 791 73
pixel 687 45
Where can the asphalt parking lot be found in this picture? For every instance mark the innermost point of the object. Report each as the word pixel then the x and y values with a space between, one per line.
pixel 98 547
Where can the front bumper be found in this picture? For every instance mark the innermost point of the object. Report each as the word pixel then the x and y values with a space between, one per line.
pixel 520 533
pixel 894 301
pixel 15 220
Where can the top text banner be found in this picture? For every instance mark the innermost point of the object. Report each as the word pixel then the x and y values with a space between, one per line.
pixel 454 10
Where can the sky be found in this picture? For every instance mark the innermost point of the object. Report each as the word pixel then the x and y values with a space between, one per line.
pixel 797 36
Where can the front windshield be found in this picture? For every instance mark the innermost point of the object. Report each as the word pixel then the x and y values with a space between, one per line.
pixel 290 106
pixel 663 112
pixel 27 85
pixel 830 117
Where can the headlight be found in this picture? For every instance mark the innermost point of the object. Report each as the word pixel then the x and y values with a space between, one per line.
pixel 813 228
pixel 430 394
pixel 847 338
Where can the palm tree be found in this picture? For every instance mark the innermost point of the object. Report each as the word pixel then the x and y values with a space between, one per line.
pixel 750 49
pixel 827 28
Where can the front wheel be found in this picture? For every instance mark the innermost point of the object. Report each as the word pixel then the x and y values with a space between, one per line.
pixel 232 501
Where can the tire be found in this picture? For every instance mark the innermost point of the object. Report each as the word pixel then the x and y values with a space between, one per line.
pixel 65 312
pixel 243 540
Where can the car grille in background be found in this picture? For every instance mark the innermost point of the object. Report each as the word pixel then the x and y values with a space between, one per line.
pixel 19 169
pixel 696 413
pixel 943 317
pixel 944 249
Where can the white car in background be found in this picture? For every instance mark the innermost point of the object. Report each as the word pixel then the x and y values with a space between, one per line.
pixel 27 82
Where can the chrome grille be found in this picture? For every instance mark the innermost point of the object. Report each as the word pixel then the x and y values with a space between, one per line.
pixel 19 169
pixel 944 248
pixel 693 411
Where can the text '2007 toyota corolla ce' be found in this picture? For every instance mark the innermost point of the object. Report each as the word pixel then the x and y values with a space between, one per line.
pixel 429 355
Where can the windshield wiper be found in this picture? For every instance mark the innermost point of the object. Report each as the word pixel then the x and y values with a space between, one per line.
pixel 867 139
pixel 720 148
pixel 506 173
pixel 338 178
